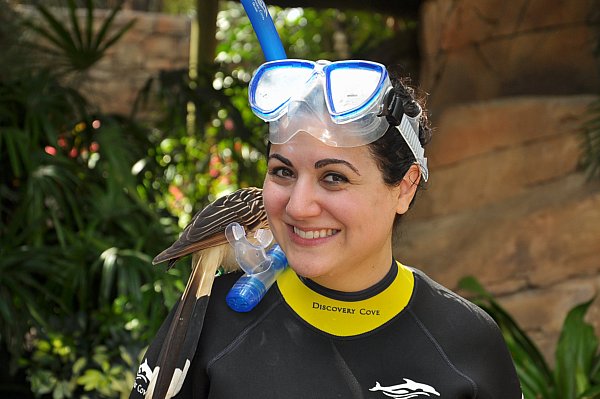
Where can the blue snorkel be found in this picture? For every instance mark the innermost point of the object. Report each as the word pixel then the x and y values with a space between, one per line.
pixel 261 268
pixel 265 29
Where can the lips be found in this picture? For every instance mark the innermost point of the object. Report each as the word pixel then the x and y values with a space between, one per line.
pixel 314 234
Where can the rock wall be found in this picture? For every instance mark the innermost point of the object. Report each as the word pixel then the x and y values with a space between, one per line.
pixel 506 203
pixel 155 42
pixel 509 84
pixel 476 50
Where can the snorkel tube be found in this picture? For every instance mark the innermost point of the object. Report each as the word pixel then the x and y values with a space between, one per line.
pixel 261 268
pixel 265 29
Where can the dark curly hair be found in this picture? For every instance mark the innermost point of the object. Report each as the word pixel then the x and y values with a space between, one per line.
pixel 391 153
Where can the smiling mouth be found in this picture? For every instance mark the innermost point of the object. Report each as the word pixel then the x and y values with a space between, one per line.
pixel 312 234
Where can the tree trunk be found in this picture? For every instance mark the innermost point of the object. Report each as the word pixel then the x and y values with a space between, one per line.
pixel 206 17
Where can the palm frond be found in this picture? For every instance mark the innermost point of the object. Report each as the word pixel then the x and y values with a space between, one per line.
pixel 591 141
pixel 79 46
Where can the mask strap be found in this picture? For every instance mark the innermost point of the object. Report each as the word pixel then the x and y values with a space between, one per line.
pixel 408 126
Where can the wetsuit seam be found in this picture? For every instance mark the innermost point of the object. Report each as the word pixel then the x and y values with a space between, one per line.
pixel 233 344
pixel 442 353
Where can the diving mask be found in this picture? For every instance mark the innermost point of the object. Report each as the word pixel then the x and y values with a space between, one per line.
pixel 341 103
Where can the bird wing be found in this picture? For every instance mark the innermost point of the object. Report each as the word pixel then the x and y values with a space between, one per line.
pixel 179 346
pixel 207 227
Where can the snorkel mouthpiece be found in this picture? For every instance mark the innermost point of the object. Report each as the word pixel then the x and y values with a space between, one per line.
pixel 250 289
pixel 262 268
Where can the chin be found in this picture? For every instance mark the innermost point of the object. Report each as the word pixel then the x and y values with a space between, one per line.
pixel 309 261
pixel 309 269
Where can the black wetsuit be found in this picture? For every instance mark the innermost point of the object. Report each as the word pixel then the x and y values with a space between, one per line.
pixel 421 340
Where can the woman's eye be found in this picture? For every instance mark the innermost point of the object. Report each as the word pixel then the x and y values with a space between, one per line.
pixel 335 178
pixel 281 172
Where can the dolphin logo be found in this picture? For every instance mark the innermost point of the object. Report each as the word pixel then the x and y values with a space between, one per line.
pixel 144 372
pixel 409 389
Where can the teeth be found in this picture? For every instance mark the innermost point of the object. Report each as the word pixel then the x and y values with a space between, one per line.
pixel 315 233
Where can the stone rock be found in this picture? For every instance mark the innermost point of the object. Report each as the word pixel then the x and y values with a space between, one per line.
pixel 545 235
pixel 470 130
pixel 475 50
pixel 538 252
pixel 489 152
pixel 453 24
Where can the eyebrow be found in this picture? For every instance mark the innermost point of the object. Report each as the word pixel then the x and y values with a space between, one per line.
pixel 282 159
pixel 319 164
pixel 334 161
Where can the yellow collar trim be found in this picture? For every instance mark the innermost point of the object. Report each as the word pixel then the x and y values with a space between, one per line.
pixel 346 318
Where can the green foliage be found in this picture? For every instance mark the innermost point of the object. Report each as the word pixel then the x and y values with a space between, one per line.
pixel 78 238
pixel 77 292
pixel 99 364
pixel 576 374
pixel 212 150
pixel 305 33
pixel 178 6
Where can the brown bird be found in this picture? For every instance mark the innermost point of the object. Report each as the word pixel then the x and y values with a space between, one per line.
pixel 205 238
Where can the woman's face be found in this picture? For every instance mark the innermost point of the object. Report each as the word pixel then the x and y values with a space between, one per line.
pixel 331 212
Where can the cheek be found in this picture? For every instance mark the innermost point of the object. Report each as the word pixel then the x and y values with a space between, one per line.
pixel 274 199
pixel 378 212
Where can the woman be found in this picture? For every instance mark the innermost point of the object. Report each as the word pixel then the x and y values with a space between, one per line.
pixel 345 320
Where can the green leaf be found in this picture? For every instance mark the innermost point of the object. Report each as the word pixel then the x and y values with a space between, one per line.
pixel 575 353
pixel 42 382
pixel 79 365
pixel 62 390
pixel 75 23
pixel 91 380
pixel 532 369
pixel 592 393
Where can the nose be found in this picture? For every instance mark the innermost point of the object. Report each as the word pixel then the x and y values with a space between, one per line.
pixel 303 202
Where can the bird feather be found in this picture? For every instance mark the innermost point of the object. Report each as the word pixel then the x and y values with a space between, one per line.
pixel 205 238
pixel 182 338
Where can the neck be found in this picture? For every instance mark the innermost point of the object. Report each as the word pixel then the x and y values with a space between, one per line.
pixel 360 275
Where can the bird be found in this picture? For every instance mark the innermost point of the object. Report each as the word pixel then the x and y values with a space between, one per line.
pixel 204 238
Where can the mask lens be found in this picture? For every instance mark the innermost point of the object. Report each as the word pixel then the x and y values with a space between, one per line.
pixel 351 87
pixel 274 84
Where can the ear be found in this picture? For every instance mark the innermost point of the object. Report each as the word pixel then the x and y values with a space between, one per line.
pixel 407 188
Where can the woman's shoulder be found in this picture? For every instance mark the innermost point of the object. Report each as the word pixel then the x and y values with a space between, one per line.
pixel 456 324
pixel 469 338
pixel 431 299
pixel 222 325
